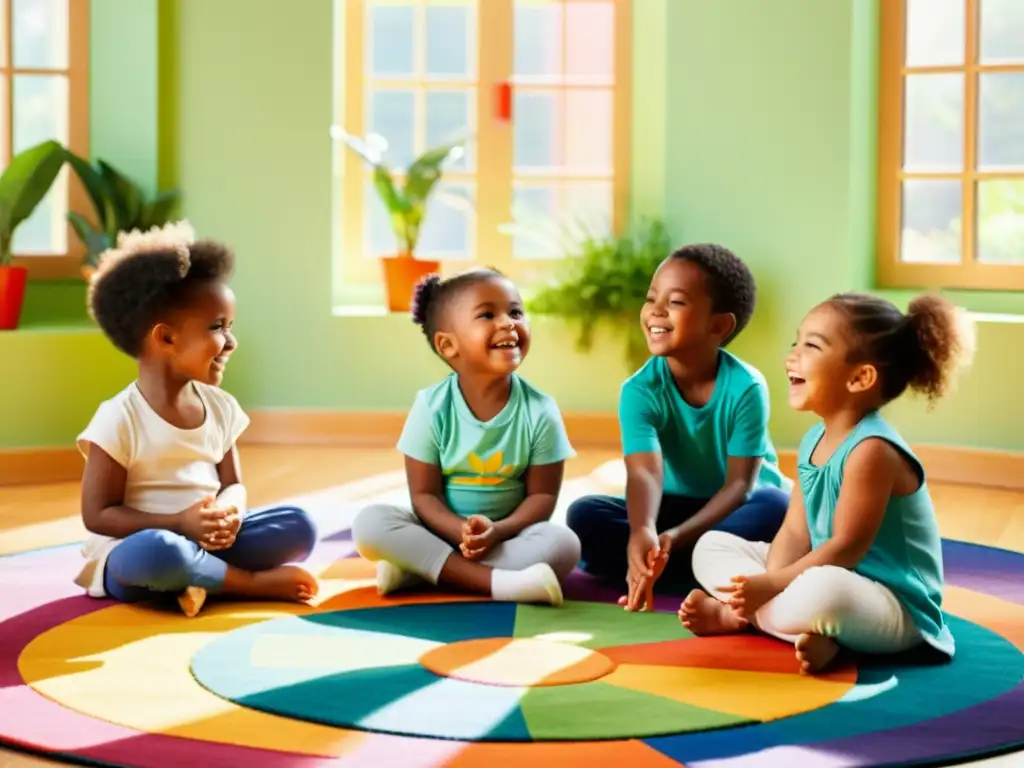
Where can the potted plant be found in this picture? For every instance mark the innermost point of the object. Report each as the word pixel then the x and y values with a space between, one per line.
pixel 120 206
pixel 603 279
pixel 23 185
pixel 406 205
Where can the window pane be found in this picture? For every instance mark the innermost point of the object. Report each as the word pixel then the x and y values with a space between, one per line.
pixel 588 206
pixel 41 113
pixel 590 42
pixel 449 117
pixel 934 123
pixel 932 216
pixel 391 41
pixel 1002 31
pixel 535 212
pixel 449 223
pixel 392 115
pixel 537 132
pixel 450 51
pixel 538 41
pixel 935 32
pixel 40 32
pixel 1001 221
pixel 377 231
pixel 1001 121
pixel 588 143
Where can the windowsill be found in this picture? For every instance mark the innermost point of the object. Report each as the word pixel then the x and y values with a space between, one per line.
pixel 363 311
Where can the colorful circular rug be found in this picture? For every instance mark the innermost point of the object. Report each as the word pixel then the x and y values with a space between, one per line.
pixel 439 679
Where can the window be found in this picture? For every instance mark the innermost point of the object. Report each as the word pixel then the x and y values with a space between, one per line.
pixel 541 86
pixel 44 95
pixel 951 148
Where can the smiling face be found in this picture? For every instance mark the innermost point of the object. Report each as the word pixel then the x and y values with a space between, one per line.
pixel 821 377
pixel 197 341
pixel 677 315
pixel 487 329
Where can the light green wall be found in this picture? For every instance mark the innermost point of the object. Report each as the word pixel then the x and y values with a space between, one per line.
pixel 56 368
pixel 754 126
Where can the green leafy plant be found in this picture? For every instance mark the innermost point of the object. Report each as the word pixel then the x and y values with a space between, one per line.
pixel 23 185
pixel 120 206
pixel 603 280
pixel 406 203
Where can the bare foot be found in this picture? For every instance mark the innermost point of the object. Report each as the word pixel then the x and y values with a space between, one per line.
pixel 191 601
pixel 703 615
pixel 815 652
pixel 287 582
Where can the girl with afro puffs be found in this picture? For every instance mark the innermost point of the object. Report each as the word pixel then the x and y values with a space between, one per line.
pixel 162 493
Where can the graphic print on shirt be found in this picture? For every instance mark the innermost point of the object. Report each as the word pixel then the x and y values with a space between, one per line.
pixel 489 471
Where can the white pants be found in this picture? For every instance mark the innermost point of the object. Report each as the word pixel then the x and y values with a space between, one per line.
pixel 396 534
pixel 858 613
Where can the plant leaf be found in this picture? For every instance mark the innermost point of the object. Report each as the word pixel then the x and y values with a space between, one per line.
pixel 159 210
pixel 126 194
pixel 95 185
pixel 425 171
pixel 26 180
pixel 96 241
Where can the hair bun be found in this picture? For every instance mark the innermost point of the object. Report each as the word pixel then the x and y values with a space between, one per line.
pixel 422 295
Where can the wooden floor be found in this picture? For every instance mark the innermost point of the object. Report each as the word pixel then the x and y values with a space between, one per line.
pixel 33 516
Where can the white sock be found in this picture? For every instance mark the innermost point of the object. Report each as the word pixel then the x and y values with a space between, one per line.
pixel 390 577
pixel 536 584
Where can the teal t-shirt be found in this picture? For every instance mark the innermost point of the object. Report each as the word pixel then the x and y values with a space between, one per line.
pixel 483 462
pixel 696 443
pixel 906 555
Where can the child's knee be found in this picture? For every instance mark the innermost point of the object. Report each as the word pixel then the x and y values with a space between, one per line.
pixel 562 548
pixel 824 597
pixel 302 535
pixel 370 529
pixel 162 559
pixel 712 542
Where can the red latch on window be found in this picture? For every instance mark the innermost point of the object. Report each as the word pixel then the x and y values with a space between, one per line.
pixel 503 102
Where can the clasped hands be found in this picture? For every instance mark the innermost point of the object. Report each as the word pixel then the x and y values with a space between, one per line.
pixel 646 557
pixel 478 537
pixel 213 527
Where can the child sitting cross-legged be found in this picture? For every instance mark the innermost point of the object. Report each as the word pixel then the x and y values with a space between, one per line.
pixel 162 493
pixel 857 563
pixel 484 456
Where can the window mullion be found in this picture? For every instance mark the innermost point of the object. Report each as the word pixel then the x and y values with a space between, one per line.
pixel 494 135
pixel 969 223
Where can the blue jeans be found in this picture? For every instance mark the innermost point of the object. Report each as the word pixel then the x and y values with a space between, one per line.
pixel 601 524
pixel 155 564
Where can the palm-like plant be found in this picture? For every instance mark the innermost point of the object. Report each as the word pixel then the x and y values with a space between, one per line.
pixel 406 202
pixel 120 206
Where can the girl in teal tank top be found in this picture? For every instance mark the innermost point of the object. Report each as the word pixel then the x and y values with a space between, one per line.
pixel 858 560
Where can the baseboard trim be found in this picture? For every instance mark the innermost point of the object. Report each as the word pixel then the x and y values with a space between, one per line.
pixel 381 429
pixel 34 466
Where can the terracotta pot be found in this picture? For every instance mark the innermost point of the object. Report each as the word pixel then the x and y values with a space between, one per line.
pixel 12 295
pixel 401 273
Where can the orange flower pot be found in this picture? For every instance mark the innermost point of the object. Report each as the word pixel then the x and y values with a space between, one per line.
pixel 401 273
pixel 12 296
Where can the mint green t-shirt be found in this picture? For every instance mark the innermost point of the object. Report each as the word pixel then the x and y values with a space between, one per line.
pixel 483 462
pixel 696 443
pixel 906 555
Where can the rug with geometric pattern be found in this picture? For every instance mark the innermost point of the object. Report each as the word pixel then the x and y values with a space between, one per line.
pixel 437 679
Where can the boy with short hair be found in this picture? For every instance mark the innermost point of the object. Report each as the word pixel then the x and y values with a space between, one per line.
pixel 694 424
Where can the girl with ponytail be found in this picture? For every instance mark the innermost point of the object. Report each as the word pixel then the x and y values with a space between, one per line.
pixel 857 564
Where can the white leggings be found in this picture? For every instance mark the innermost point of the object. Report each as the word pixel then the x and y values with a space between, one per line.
pixel 858 613
pixel 396 534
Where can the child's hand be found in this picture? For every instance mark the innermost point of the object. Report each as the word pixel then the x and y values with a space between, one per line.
pixel 201 520
pixel 641 591
pixel 477 537
pixel 222 538
pixel 746 594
